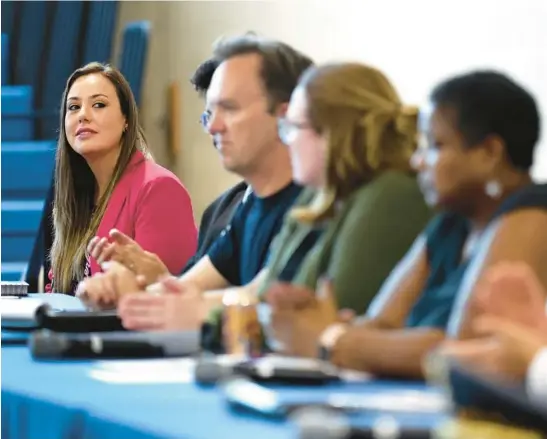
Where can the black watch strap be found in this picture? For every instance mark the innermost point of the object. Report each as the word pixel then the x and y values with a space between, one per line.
pixel 323 353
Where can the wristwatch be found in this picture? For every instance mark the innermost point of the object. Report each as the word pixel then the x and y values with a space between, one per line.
pixel 328 339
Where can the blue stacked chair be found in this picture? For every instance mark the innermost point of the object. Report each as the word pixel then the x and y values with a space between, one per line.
pixel 5 58
pixel 27 163
pixel 133 55
pixel 27 168
pixel 100 31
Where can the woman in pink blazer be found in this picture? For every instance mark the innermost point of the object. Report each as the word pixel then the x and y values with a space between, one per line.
pixel 105 180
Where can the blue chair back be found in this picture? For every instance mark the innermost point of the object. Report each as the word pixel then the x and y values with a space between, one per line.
pixel 133 55
pixel 99 34
pixel 62 59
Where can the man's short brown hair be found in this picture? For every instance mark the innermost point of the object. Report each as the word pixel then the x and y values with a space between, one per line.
pixel 282 65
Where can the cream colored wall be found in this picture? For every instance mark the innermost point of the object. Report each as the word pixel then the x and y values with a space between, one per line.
pixel 154 95
pixel 417 43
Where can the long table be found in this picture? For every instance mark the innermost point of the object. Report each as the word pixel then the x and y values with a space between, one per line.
pixel 145 399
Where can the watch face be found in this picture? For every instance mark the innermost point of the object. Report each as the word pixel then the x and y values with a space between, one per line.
pixel 332 334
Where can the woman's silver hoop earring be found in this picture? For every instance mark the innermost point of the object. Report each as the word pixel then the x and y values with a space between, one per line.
pixel 493 189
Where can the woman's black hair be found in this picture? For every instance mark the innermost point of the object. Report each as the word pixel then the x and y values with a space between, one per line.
pixel 488 103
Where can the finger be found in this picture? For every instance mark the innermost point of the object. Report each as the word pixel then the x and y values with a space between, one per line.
pixel 271 298
pixel 109 250
pixel 92 243
pixel 287 295
pixel 136 310
pixel 121 238
pixel 142 282
pixel 275 297
pixel 109 293
pixel 96 292
pixel 325 288
pixel 131 256
pixel 346 315
pixel 105 303
pixel 299 296
pixel 144 300
pixel 325 292
pixel 276 287
pixel 99 248
pixel 171 284
pixel 81 291
pixel 532 286
pixel 326 298
pixel 491 325
pixel 282 318
pixel 468 348
pixel 111 265
pixel 152 256
pixel 147 322
pixel 82 294
pixel 271 292
pixel 141 313
pixel 507 331
pixel 283 295
pixel 160 270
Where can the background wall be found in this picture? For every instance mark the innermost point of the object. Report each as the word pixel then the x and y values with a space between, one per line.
pixel 154 97
pixel 416 43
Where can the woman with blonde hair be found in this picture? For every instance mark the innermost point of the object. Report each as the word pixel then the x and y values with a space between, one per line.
pixel 105 179
pixel 351 140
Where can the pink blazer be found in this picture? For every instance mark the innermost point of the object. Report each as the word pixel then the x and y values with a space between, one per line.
pixel 151 205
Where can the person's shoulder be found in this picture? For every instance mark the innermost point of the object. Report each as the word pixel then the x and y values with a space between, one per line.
pixel 389 183
pixel 291 196
pixel 153 181
pixel 533 196
pixel 281 200
pixel 151 171
pixel 305 196
pixel 235 193
pixel 395 181
pixel 227 202
pixel 390 191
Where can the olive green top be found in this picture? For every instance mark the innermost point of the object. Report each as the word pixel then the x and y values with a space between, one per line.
pixel 371 231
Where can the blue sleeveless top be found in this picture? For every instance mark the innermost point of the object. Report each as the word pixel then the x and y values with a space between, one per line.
pixel 446 235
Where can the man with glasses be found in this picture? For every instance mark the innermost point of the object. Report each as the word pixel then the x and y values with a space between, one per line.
pixel 249 92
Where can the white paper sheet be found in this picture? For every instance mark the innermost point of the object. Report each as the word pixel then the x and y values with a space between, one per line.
pixel 160 371
pixel 19 309
pixel 145 371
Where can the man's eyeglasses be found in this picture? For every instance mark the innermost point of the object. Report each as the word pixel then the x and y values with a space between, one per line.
pixel 204 120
